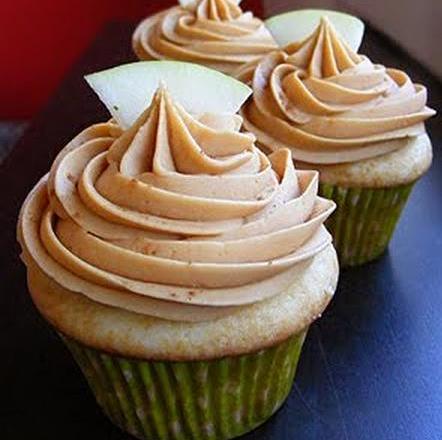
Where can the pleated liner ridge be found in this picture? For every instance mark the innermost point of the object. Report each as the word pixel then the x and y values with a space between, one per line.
pixel 216 399
pixel 364 220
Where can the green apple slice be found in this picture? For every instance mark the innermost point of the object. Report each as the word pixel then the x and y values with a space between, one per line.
pixel 127 90
pixel 297 25
pixel 185 3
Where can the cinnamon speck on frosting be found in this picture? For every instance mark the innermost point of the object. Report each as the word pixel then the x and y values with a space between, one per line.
pixel 329 104
pixel 175 205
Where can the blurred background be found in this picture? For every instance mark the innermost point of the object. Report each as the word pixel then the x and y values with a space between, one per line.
pixel 40 40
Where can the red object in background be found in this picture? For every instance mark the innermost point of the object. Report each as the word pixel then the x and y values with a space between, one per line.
pixel 40 39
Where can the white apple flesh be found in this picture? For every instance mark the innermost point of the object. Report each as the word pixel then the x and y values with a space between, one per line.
pixel 297 25
pixel 127 90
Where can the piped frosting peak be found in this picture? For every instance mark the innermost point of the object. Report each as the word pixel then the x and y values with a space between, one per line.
pixel 180 217
pixel 328 104
pixel 323 54
pixel 216 10
pixel 216 33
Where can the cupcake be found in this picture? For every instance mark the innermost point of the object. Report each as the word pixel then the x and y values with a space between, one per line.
pixel 215 33
pixel 181 266
pixel 361 125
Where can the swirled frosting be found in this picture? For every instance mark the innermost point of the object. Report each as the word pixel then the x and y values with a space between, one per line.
pixel 330 105
pixel 179 217
pixel 216 33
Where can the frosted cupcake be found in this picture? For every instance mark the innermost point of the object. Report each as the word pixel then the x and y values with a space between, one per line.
pixel 360 124
pixel 181 266
pixel 215 33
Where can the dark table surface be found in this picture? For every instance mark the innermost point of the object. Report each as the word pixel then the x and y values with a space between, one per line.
pixel 371 367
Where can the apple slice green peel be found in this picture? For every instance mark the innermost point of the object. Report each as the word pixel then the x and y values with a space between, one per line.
pixel 127 90
pixel 296 25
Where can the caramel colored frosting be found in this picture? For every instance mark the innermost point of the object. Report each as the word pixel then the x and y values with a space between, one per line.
pixel 179 217
pixel 216 33
pixel 329 104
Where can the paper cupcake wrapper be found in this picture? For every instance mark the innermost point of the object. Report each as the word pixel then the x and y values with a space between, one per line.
pixel 216 399
pixel 364 220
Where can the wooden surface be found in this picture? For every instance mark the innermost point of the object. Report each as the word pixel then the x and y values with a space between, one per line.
pixel 371 367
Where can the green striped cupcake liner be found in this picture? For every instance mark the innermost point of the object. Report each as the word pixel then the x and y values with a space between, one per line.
pixel 216 399
pixel 364 220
